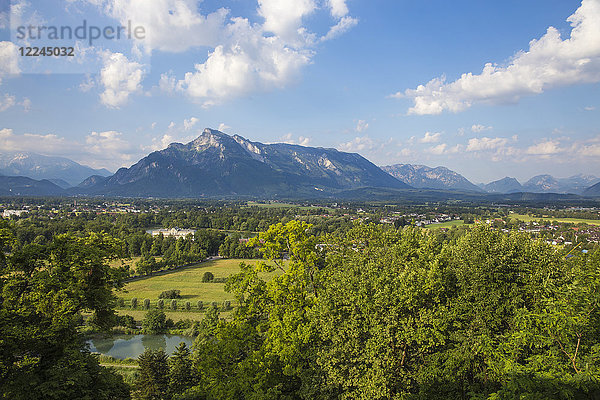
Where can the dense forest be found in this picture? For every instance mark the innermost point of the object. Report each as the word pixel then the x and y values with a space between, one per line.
pixel 362 311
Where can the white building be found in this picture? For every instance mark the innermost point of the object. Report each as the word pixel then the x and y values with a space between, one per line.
pixel 175 232
pixel 9 213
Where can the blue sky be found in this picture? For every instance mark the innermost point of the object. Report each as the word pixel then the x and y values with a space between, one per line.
pixel 396 81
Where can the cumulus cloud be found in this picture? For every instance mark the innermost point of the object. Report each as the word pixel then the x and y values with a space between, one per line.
pixel 45 144
pixel 359 143
pixel 250 62
pixel 551 61
pixel 189 123
pixel 480 128
pixel 243 57
pixel 289 139
pixel 223 127
pixel 284 17
pixel 120 78
pixel 161 143
pixel 362 125
pixel 6 102
pixel 439 149
pixel 343 25
pixel 544 148
pixel 486 143
pixel 9 59
pixel 172 26
pixel 430 137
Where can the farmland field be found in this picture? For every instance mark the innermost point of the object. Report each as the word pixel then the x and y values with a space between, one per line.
pixel 529 218
pixel 188 280
pixel 447 224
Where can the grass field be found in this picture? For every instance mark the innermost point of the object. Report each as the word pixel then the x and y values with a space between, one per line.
pixel 188 280
pixel 529 218
pixel 139 314
pixel 447 224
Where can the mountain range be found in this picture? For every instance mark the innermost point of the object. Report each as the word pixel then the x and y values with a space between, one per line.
pixel 61 171
pixel 422 176
pixel 219 165
pixel 543 184
pixel 216 164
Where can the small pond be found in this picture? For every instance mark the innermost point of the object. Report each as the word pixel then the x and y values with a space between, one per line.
pixel 131 346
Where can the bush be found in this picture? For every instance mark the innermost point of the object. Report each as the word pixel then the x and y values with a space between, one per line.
pixel 170 294
pixel 173 304
pixel 146 304
pixel 200 305
pixel 227 305
pixel 188 305
pixel 215 305
pixel 160 304
pixel 134 303
pixel 208 277
pixel 121 302
pixel 126 321
pixel 155 321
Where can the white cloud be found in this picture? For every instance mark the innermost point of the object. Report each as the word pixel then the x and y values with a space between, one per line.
pixel 284 17
pixel 430 137
pixel 589 108
pixel 544 148
pixel 161 143
pixel 9 59
pixel 289 139
pixel 250 62
pixel 362 125
pixel 343 26
pixel 223 127
pixel 486 143
pixel 549 62
pixel 26 104
pixel 359 143
pixel 120 77
pixel 7 102
pixel 189 123
pixel 338 8
pixel 480 128
pixel 439 149
pixel 45 144
pixel 172 26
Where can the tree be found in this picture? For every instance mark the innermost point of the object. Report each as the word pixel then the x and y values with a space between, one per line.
pixel 180 370
pixel 42 291
pixel 153 379
pixel 155 321
pixel 208 277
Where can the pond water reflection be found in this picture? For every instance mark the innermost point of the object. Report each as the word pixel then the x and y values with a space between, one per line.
pixel 131 346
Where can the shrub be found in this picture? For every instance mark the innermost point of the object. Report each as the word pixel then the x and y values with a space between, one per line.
pixel 173 304
pixel 215 305
pixel 200 305
pixel 208 277
pixel 155 321
pixel 126 321
pixel 227 305
pixel 188 305
pixel 170 294
pixel 134 303
pixel 160 304
pixel 146 304
pixel 121 302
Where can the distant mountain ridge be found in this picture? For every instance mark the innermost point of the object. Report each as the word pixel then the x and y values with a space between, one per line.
pixel 576 184
pixel 422 176
pixel 23 186
pixel 39 167
pixel 504 185
pixel 217 164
